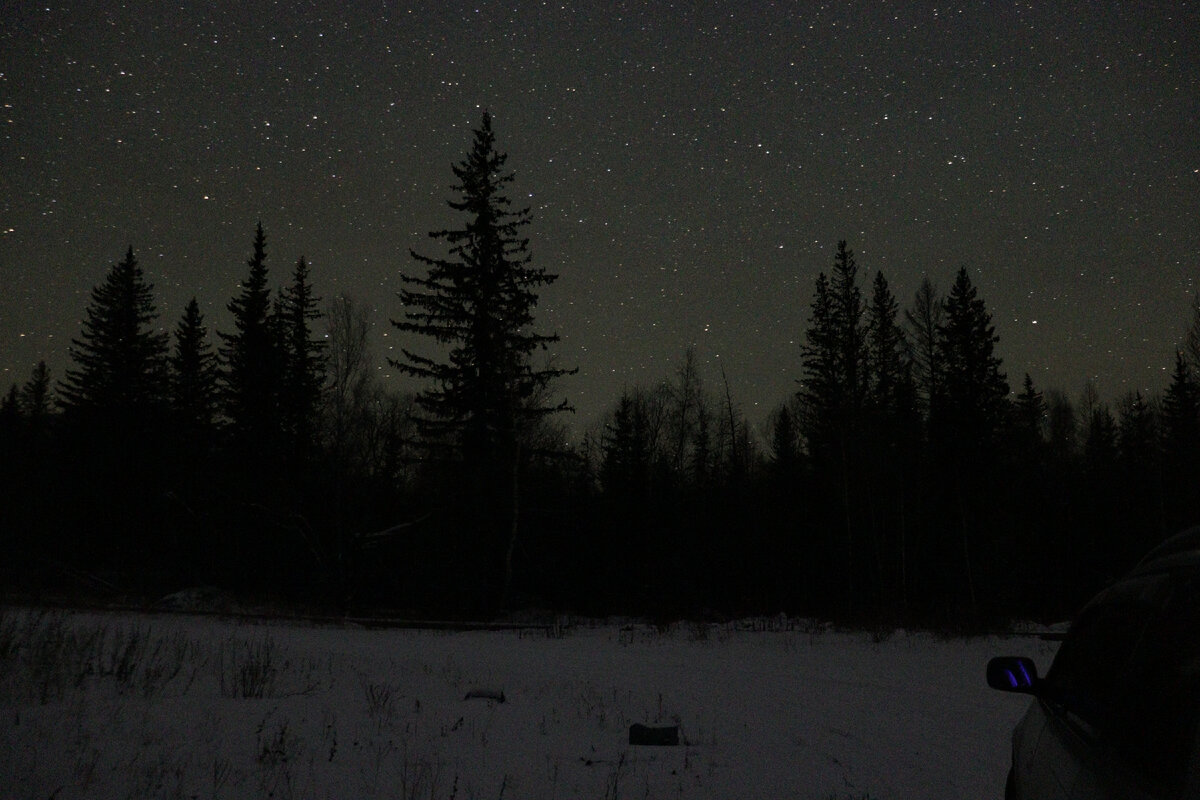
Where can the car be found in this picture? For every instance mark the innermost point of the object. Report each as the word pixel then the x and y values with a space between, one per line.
pixel 1115 717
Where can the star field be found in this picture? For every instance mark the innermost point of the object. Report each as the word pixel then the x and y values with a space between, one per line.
pixel 690 168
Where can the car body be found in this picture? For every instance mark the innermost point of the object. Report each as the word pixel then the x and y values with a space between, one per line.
pixel 1115 717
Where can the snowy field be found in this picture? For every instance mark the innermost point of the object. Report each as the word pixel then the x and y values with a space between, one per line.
pixel 130 706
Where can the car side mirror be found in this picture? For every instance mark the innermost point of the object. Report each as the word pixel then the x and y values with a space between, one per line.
pixel 1013 674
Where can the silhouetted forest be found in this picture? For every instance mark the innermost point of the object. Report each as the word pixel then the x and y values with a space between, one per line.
pixel 905 481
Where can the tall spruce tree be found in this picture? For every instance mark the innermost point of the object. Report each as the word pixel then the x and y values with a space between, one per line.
pixel 625 468
pixel 250 360
pixel 303 361
pixel 193 372
pixel 893 431
pixel 478 302
pixel 785 454
pixel 114 402
pixel 972 398
pixel 1181 443
pixel 832 399
pixel 1181 411
pixel 834 387
pixel 968 414
pixel 120 358
pixel 890 388
pixel 923 320
pixel 818 392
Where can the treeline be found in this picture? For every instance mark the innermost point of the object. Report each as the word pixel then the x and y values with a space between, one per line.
pixel 904 481
pixel 167 458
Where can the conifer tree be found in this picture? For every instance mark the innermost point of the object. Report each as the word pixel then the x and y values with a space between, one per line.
pixel 1062 426
pixel 967 416
pixel 120 359
pixel 477 301
pixel 10 407
pixel 784 452
pixel 35 394
pixel 1191 339
pixel 1100 441
pixel 890 448
pixel 834 387
pixel 849 314
pixel 193 372
pixel 887 350
pixel 303 360
pixel 923 320
pixel 250 359
pixel 1181 409
pixel 891 390
pixel 832 399
pixel 626 449
pixel 1139 459
pixel 1137 434
pixel 1180 430
pixel 1030 415
pixel 972 397
pixel 818 393
pixel 114 402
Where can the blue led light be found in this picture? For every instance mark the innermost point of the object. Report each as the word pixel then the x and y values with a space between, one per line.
pixel 1024 674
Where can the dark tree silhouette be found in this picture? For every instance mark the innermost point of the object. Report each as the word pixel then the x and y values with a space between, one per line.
pixel 832 399
pixel 1191 339
pixel 1181 412
pixel 968 415
pixel 303 361
pixel 10 407
pixel 1100 440
pixel 1180 431
pixel 923 319
pixel 478 302
pixel 1137 440
pixel 785 451
pixel 120 359
pixel 892 435
pixel 627 449
pixel 833 388
pixel 890 389
pixel 114 404
pixel 250 359
pixel 819 390
pixel 35 395
pixel 193 373
pixel 972 399
pixel 1030 417
pixel 1140 468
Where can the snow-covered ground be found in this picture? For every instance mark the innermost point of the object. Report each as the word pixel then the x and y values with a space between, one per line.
pixel 115 706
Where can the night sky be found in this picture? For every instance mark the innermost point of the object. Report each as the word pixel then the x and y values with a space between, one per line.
pixel 690 168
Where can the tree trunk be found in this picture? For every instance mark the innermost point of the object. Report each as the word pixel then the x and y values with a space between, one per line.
pixel 513 527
